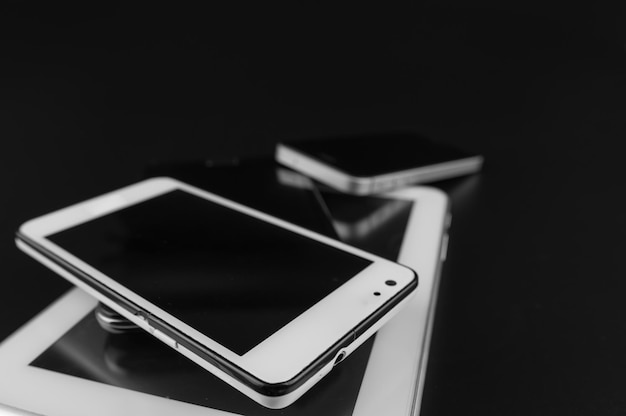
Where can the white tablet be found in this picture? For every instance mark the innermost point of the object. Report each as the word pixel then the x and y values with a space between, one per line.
pixel 56 366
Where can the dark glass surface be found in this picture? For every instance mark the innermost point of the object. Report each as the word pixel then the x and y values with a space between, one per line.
pixel 378 154
pixel 235 278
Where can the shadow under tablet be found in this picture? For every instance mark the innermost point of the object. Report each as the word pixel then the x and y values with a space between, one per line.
pixel 137 362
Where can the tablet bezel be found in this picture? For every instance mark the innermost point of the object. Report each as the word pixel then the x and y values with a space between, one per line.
pixel 392 383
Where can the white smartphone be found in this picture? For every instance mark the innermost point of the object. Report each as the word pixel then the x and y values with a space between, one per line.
pixel 372 164
pixel 265 305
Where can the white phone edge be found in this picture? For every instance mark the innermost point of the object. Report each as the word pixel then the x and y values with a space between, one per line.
pixel 392 383
pixel 272 401
pixel 355 185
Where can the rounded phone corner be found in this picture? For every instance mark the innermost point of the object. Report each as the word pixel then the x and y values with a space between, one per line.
pixel 411 282
pixel 416 278
pixel 24 230
pixel 280 394
pixel 161 180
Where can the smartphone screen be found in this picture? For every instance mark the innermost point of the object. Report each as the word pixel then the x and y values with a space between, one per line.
pixel 257 183
pixel 233 277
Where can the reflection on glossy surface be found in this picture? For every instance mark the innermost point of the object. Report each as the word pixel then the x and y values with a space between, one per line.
pixel 373 223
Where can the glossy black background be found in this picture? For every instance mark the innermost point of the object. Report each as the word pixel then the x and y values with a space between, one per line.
pixel 531 314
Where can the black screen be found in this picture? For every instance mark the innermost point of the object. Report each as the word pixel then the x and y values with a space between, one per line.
pixel 235 278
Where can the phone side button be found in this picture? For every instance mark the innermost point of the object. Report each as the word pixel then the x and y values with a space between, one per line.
pixel 166 339
pixel 444 247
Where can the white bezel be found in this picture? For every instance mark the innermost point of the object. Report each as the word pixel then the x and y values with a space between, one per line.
pixel 392 383
pixel 279 359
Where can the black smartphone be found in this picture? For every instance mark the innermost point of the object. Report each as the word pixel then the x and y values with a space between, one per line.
pixel 371 164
